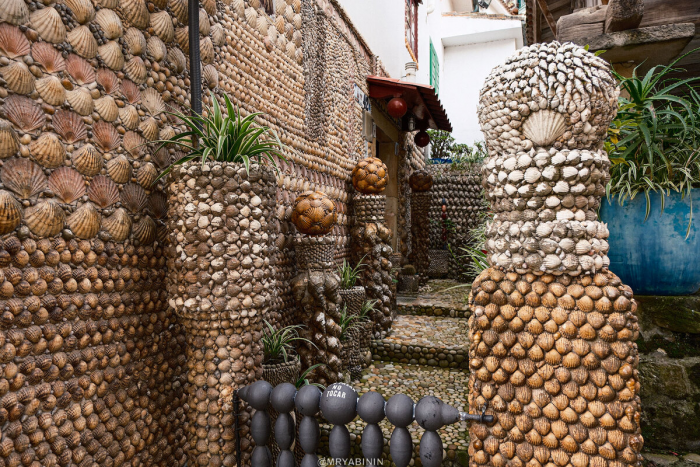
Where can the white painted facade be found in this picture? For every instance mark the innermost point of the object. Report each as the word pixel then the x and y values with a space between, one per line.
pixel 467 46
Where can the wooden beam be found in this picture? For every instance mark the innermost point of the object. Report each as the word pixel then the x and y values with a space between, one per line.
pixel 548 16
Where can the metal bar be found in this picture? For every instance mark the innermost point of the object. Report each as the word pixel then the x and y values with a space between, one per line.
pixel 236 428
pixel 195 61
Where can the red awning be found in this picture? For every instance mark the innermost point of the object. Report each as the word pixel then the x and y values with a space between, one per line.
pixel 421 99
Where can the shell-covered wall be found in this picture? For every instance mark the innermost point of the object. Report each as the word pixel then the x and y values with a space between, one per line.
pixel 92 360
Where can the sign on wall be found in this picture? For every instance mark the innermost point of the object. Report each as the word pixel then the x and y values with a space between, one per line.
pixel 362 99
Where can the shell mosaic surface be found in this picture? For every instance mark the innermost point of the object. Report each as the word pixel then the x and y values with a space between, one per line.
pixel 421 180
pixel 552 333
pixel 420 233
pixel 370 176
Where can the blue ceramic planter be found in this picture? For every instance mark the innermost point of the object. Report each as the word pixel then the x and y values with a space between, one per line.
pixel 654 257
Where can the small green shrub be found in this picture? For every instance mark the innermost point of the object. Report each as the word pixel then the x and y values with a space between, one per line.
pixel 349 275
pixel 278 343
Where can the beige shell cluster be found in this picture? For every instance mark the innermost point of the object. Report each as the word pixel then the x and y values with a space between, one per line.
pixel 281 31
pixel 548 94
pixel 545 204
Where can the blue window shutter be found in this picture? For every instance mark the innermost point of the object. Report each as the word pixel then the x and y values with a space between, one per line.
pixel 434 69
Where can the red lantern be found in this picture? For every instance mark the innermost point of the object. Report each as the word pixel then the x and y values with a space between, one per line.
pixel 397 107
pixel 422 139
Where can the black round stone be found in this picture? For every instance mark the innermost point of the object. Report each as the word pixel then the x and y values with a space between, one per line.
pixel 429 413
pixel 338 403
pixel 370 407
pixel 399 410
pixel 307 400
pixel 258 395
pixel 282 397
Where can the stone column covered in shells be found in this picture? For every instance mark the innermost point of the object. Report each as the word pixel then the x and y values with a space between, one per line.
pixel 220 284
pixel 421 181
pixel 552 352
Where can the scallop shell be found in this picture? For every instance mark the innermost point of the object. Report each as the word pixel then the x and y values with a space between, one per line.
pixel 209 6
pixel 69 125
pixel 131 91
pixel 135 40
pixel 211 76
pixel 9 142
pixel 204 24
pixel 145 230
pixel 108 80
pixel 45 219
pixel 24 113
pixel 107 108
pixel 85 221
pixel 136 12
pixel 146 175
pixel 83 10
pixel 166 133
pixel 103 191
pixel 134 143
pixel 87 160
pixel 80 70
pixel 152 101
pixel 18 77
pixel 111 54
pixel 23 177
pixel 218 36
pixel 119 169
pixel 156 48
pixel 48 151
pixel 177 60
pixel 67 184
pixel 118 225
pixel 136 70
pixel 83 42
pixel 162 158
pixel 162 25
pixel 179 9
pixel 149 128
pixel 133 197
pixel 13 42
pixel 48 24
pixel 14 12
pixel 10 211
pixel 51 90
pixel 110 23
pixel 160 4
pixel 183 39
pixel 206 50
pixel 81 101
pixel 105 136
pixel 158 204
pixel 544 127
pixel 129 117
pixel 48 57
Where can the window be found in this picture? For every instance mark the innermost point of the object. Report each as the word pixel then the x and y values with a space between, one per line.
pixel 434 69
pixel 412 28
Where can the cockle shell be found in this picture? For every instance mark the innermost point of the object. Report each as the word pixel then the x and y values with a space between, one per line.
pixel 129 117
pixel 48 24
pixel 85 221
pixel 162 158
pixel 145 230
pixel 179 9
pixel 106 136
pixel 183 39
pixel 48 57
pixel 210 76
pixel 131 91
pixel 206 50
pixel 14 12
pixel 152 101
pixel 133 197
pixel 87 160
pixel 158 204
pixel 23 177
pixel 10 211
pixel 111 54
pixel 51 90
pixel 82 9
pixel 118 225
pixel 136 12
pixel 18 77
pixel 48 151
pixel 67 184
pixel 80 70
pixel 13 42
pixel 45 219
pixel 218 36
pixel 204 24
pixel 134 143
pixel 177 60
pixel 544 127
pixel 149 128
pixel 136 70
pixel 107 108
pixel 156 48
pixel 103 191
pixel 110 23
pixel 83 42
pixel 108 80
pixel 119 169
pixel 209 6
pixel 81 101
pixel 9 142
pixel 135 40
pixel 146 175
pixel 166 133
pixel 162 25
pixel 69 125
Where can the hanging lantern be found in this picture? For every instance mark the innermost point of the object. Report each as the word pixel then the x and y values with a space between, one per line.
pixel 397 107
pixel 422 139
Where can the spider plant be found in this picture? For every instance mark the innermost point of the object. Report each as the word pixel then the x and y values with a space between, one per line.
pixel 349 275
pixel 304 378
pixel 224 135
pixel 278 343
pixel 367 307
pixel 347 322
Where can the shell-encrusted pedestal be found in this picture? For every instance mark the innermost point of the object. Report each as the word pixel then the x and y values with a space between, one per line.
pixel 420 232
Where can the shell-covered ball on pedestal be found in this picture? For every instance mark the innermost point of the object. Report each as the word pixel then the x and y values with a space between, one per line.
pixel 314 213
pixel 370 176
pixel 421 180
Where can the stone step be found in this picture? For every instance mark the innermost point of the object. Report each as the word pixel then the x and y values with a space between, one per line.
pixel 425 340
pixel 431 306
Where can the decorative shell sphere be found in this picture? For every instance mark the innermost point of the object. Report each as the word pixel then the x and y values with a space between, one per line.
pixel 370 176
pixel 314 213
pixel 420 181
pixel 548 94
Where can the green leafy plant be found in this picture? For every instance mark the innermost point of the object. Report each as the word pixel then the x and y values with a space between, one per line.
pixel 224 135
pixel 468 157
pixel 304 378
pixel 654 141
pixel 367 307
pixel 349 275
pixel 278 343
pixel 473 253
pixel 347 322
pixel 441 144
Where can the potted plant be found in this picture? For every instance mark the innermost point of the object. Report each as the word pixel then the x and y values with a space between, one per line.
pixel 654 148
pixel 280 362
pixel 349 337
pixel 408 280
pixel 351 293
pixel 366 327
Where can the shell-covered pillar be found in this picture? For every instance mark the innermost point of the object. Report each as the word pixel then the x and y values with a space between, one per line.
pixel 552 353
pixel 421 181
pixel 316 287
pixel 371 240
pixel 220 286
